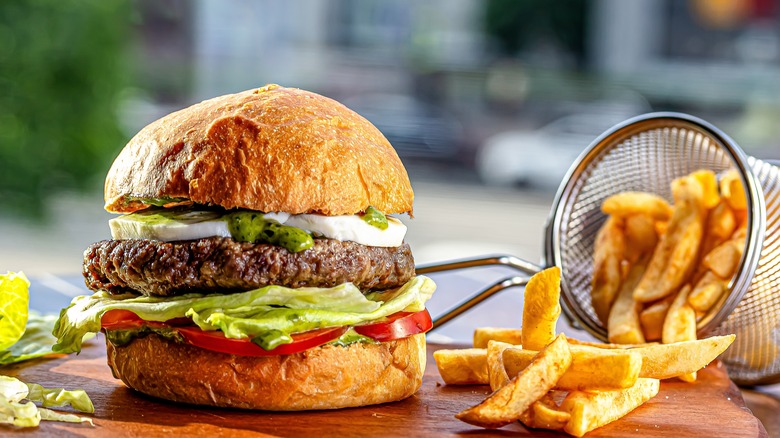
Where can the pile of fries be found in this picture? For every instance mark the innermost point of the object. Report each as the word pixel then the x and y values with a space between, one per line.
pixel 658 268
pixel 551 382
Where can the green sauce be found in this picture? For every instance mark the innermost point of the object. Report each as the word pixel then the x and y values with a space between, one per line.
pixel 158 216
pixel 249 226
pixel 120 338
pixel 375 218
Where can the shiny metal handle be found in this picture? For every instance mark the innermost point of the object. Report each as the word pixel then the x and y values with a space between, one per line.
pixel 501 260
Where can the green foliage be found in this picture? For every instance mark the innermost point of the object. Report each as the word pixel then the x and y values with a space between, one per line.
pixel 63 66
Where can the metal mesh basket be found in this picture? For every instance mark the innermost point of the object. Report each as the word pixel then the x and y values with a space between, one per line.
pixel 645 154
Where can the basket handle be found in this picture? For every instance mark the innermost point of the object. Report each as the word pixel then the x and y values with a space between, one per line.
pixel 502 260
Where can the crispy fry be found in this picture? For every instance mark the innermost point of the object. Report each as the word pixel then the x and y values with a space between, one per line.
pixel 623 324
pixel 724 258
pixel 709 184
pixel 706 292
pixel 466 366
pixel 664 361
pixel 733 191
pixel 509 335
pixel 545 414
pixel 721 223
pixel 497 376
pixel 591 368
pixel 607 257
pixel 641 236
pixel 680 324
pixel 541 308
pixel 629 203
pixel 508 403
pixel 573 341
pixel 652 318
pixel 590 410
pixel 675 255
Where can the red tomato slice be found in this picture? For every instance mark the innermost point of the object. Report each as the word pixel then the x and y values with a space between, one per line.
pixel 121 319
pixel 397 326
pixel 216 341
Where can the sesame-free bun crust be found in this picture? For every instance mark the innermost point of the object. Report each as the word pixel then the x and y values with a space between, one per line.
pixel 270 149
pixel 328 377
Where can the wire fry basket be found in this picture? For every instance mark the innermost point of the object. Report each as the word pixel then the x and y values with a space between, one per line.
pixel 645 154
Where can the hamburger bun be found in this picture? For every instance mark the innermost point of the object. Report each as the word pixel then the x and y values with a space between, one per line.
pixel 270 149
pixel 327 377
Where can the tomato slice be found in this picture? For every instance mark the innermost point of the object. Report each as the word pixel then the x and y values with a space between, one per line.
pixel 397 326
pixel 216 341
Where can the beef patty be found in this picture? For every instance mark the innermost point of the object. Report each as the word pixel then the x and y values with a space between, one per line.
pixel 218 265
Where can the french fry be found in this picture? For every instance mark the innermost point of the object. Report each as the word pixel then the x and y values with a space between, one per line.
pixel 675 255
pixel 721 223
pixel 641 236
pixel 607 257
pixel 652 318
pixel 680 324
pixel 466 366
pixel 591 368
pixel 541 308
pixel 623 325
pixel 664 361
pixel 724 258
pixel 545 414
pixel 497 375
pixel 508 403
pixel 591 410
pixel 709 184
pixel 733 191
pixel 707 291
pixel 573 342
pixel 630 203
pixel 509 335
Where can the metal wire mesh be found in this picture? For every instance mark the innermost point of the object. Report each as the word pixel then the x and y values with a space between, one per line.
pixel 646 154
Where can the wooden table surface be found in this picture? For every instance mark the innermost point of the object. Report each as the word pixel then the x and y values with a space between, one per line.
pixel 713 406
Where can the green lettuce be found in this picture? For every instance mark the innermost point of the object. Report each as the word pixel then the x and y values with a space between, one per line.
pixel 27 414
pixel 36 341
pixel 272 309
pixel 14 299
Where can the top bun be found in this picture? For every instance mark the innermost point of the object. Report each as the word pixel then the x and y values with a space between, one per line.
pixel 271 149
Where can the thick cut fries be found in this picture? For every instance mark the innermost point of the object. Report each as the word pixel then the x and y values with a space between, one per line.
pixel 706 292
pixel 590 410
pixel 509 335
pixel 641 236
pixel 664 361
pixel 675 255
pixel 733 191
pixel 591 368
pixel 623 326
pixel 545 414
pixel 680 324
pixel 541 308
pixel 608 252
pixel 630 203
pixel 508 403
pixel 497 375
pixel 466 366
pixel 652 318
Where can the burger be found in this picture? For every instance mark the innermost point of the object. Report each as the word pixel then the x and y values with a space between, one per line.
pixel 255 262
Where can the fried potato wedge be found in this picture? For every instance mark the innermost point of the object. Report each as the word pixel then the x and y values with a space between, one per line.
pixel 652 318
pixel 508 403
pixel 630 203
pixel 545 414
pixel 497 375
pixel 733 191
pixel 680 324
pixel 541 308
pixel 641 236
pixel 466 366
pixel 706 292
pixel 482 335
pixel 591 368
pixel 608 253
pixel 664 361
pixel 623 326
pixel 591 410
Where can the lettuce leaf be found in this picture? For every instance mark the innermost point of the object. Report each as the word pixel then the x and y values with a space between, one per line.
pixel 36 341
pixel 13 411
pixel 14 299
pixel 249 313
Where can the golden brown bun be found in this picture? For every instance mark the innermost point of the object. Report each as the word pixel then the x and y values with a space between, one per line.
pixel 329 377
pixel 270 149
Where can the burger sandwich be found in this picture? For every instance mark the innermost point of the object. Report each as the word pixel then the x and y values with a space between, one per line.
pixel 255 264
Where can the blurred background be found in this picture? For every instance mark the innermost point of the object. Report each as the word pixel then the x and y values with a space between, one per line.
pixel 487 102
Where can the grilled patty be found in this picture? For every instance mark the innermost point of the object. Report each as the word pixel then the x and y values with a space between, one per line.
pixel 220 265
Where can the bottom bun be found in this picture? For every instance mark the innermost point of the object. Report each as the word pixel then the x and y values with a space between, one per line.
pixel 327 377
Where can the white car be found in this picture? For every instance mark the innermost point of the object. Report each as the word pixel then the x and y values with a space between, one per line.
pixel 540 158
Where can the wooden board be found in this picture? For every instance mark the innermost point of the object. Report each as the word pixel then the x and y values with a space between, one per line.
pixel 713 406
